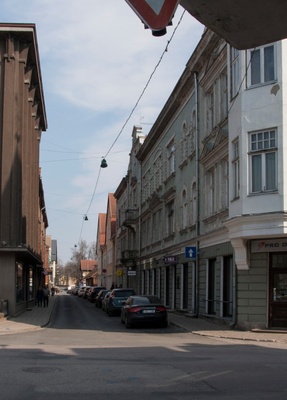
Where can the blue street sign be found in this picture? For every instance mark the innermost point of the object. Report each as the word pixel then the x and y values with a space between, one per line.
pixel 190 252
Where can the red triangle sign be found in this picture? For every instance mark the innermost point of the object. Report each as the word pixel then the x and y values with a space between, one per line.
pixel 156 14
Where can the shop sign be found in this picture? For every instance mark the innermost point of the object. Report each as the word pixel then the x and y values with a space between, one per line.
pixel 170 259
pixel 273 245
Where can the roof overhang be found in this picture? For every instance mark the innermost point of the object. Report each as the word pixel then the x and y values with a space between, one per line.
pixel 244 24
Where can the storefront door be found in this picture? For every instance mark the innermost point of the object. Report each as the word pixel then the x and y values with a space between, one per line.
pixel 278 290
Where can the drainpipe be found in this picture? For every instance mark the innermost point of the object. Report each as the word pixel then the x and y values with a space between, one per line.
pixel 139 280
pixel 196 294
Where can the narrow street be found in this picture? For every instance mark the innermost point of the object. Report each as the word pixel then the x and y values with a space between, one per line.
pixel 85 352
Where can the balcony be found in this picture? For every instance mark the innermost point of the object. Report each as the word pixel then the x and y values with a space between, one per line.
pixel 129 257
pixel 130 218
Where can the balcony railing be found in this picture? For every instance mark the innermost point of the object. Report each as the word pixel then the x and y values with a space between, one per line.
pixel 128 255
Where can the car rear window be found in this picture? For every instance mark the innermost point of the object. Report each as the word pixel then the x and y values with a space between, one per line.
pixel 124 293
pixel 146 300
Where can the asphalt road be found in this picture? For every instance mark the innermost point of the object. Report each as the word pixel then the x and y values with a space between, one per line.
pixel 85 353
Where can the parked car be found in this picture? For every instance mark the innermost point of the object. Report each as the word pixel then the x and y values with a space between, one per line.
pixel 94 291
pixel 105 301
pixel 81 291
pixel 75 290
pixel 117 299
pixel 99 298
pixel 144 309
pixel 85 292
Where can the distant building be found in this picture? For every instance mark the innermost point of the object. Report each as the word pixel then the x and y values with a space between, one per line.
pixel 87 266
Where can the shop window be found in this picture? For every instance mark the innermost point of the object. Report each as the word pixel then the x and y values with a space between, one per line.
pixel 19 282
pixel 211 288
pixel 31 293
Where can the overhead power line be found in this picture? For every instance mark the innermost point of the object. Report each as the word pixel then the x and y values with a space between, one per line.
pixel 129 117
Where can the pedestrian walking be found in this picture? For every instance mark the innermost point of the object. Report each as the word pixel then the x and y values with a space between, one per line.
pixel 40 296
pixel 46 294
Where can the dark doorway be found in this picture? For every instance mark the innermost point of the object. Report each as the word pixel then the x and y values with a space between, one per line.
pixel 227 286
pixel 278 290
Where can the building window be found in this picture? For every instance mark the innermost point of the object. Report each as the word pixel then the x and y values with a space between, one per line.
pixel 223 97
pixel 192 133
pixel 184 210
pixel 171 158
pixel 210 117
pixel 235 166
pixel 210 190
pixel 158 172
pixel 183 143
pixel 156 226
pixel 216 103
pixel 263 161
pixel 235 83
pixel 224 177
pixel 170 218
pixel 262 65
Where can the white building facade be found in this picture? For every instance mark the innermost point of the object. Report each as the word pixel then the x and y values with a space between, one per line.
pixel 210 233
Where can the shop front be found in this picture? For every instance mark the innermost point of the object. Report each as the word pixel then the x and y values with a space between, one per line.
pixel 277 286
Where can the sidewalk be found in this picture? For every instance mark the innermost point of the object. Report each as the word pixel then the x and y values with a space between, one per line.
pixel 39 317
pixel 34 319
pixel 199 326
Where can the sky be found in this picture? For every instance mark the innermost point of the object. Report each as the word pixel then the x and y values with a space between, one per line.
pixel 102 73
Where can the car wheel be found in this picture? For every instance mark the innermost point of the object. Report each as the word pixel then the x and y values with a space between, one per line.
pixel 128 323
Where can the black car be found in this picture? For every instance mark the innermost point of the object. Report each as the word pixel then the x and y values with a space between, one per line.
pixel 94 291
pixel 100 297
pixel 144 309
pixel 117 299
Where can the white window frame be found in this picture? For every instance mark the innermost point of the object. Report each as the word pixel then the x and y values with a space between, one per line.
pixel 257 55
pixel 263 144
pixel 236 168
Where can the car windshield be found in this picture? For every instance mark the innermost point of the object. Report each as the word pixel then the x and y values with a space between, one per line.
pixel 124 293
pixel 146 300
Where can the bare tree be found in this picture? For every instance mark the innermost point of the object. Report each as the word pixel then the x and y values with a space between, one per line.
pixel 93 251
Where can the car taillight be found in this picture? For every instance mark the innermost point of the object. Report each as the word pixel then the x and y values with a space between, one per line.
pixel 135 309
pixel 160 309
